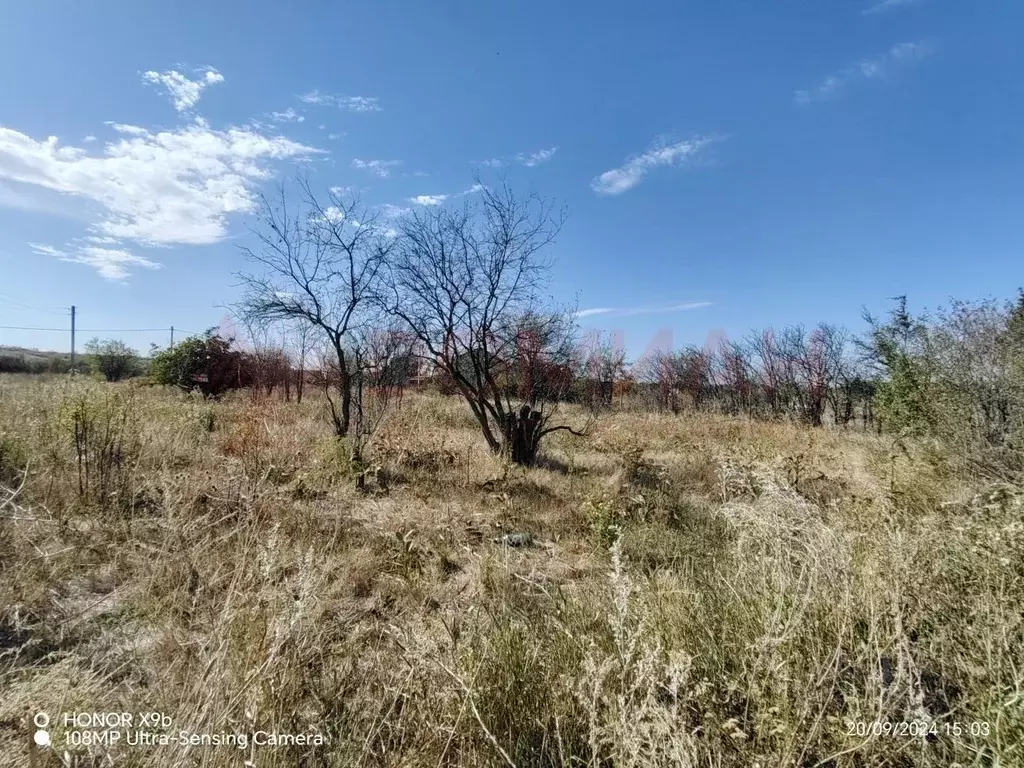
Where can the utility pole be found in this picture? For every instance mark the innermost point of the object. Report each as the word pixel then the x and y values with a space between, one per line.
pixel 172 337
pixel 72 337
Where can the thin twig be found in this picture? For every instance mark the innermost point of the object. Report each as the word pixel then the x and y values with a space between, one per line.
pixel 476 714
pixel 42 555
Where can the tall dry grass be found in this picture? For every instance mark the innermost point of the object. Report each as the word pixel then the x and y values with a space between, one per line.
pixel 698 591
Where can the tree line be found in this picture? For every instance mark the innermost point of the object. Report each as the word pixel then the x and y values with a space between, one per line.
pixel 361 305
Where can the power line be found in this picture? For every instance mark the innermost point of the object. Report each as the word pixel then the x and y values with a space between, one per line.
pixel 6 299
pixel 87 330
pixel 74 328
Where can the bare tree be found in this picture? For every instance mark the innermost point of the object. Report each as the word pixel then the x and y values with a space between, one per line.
pixel 267 360
pixel 770 370
pixel 380 355
pixel 378 364
pixel 604 364
pixel 658 369
pixel 813 363
pixel 300 343
pixel 321 267
pixel 466 283
pixel 679 376
pixel 694 375
pixel 833 345
pixel 734 377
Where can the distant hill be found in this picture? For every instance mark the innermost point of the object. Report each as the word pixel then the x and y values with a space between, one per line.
pixel 33 355
pixel 25 360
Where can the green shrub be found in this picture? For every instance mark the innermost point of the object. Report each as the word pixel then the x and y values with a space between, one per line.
pixel 207 363
pixel 112 359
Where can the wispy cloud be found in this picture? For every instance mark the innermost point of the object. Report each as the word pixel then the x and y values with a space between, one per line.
pixel 438 199
pixel 347 103
pixel 874 68
pixel 111 263
pixel 536 158
pixel 183 92
pixel 528 159
pixel 889 5
pixel 630 311
pixel 379 168
pixel 42 249
pixel 129 130
pixel 288 116
pixel 624 178
pixel 390 211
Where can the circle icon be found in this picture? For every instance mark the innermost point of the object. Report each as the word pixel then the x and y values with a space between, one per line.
pixel 41 719
pixel 42 738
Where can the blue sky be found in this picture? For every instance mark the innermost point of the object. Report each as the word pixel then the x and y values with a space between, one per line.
pixel 727 164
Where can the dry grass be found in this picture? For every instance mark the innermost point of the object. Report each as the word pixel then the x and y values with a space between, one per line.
pixel 699 591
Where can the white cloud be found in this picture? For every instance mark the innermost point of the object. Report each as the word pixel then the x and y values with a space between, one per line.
pixel 629 311
pixel 428 199
pixel 154 188
pixel 348 103
pixel 288 116
pixel 619 180
pixel 529 159
pixel 438 199
pixel 334 214
pixel 111 263
pixel 889 5
pixel 171 187
pixel 380 168
pixel 333 136
pixel 536 158
pixel 184 93
pixel 390 211
pixel 876 68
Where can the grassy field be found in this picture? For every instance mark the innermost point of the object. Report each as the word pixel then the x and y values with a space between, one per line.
pixel 695 590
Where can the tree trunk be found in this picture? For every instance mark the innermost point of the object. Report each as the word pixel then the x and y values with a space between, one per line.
pixel 345 385
pixel 520 435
